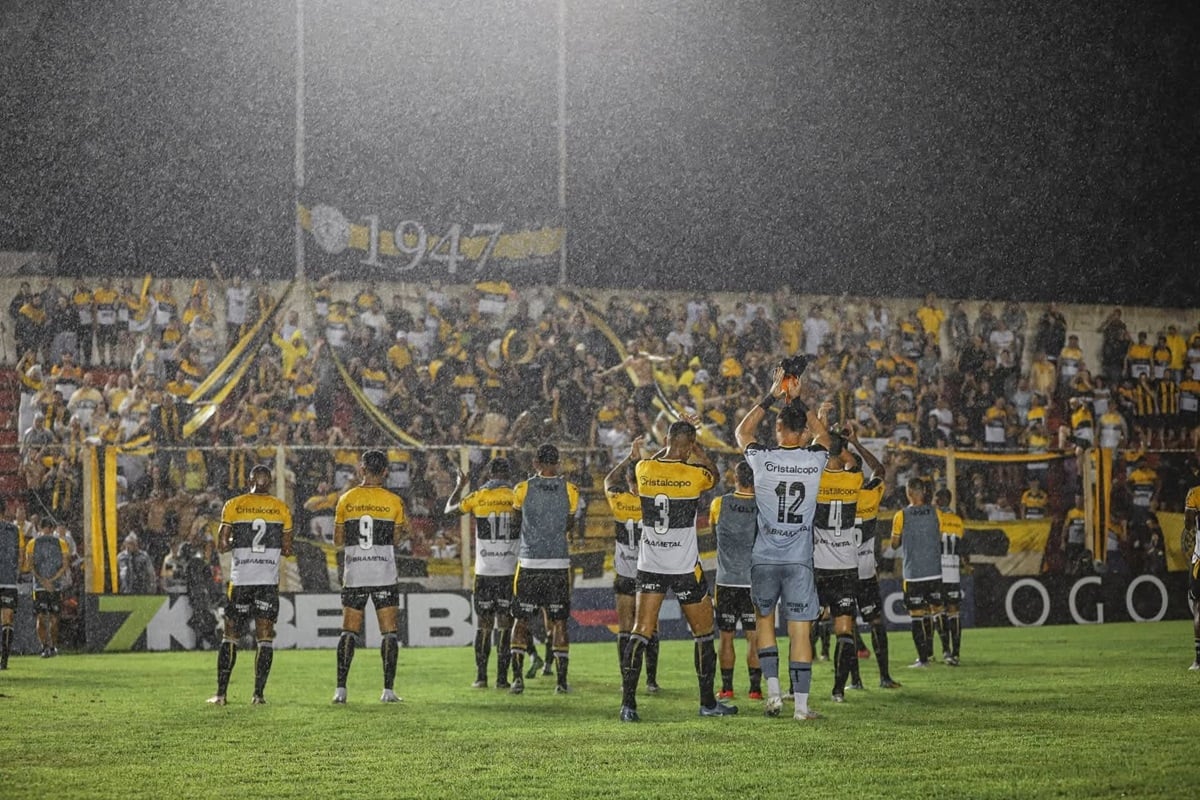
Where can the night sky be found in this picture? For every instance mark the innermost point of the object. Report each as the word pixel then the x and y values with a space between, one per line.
pixel 1026 150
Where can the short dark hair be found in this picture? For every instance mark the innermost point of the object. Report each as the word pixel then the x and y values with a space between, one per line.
pixel 918 485
pixel 743 474
pixel 942 497
pixel 375 462
pixel 681 427
pixel 794 416
pixel 500 467
pixel 547 454
pixel 260 468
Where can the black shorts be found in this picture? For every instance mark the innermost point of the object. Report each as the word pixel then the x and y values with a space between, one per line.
pixel 870 601
pixel 382 596
pixel 542 588
pixel 919 595
pixel 493 594
pixel 625 586
pixel 8 597
pixel 689 587
pixel 838 590
pixel 252 602
pixel 1194 583
pixel 951 594
pixel 733 605
pixel 45 602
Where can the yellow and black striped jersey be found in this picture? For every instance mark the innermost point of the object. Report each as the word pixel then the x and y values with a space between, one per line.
pixel 258 526
pixel 627 527
pixel 670 494
pixel 837 499
pixel 835 545
pixel 951 527
pixel 496 537
pixel 371 517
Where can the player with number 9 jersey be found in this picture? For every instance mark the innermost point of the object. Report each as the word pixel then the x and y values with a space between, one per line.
pixel 370 517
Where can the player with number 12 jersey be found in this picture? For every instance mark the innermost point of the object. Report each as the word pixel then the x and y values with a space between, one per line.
pixel 786 480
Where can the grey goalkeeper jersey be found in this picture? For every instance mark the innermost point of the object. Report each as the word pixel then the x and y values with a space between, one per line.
pixel 737 523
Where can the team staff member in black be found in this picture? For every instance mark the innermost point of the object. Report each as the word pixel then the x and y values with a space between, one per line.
pixel 12 545
pixel 374 520
pixel 257 527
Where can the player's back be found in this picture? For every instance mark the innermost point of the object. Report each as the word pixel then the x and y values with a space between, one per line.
pixel 736 528
pixel 545 504
pixel 495 536
pixel 257 523
pixel 786 480
pixel 670 496
pixel 370 516
pixel 921 542
pixel 835 544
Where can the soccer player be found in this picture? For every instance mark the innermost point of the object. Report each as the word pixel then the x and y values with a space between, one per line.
pixel 375 520
pixel 786 478
pixel 620 486
pixel 12 546
pixel 870 602
pixel 916 533
pixel 734 517
pixel 949 624
pixel 546 503
pixel 670 484
pixel 835 554
pixel 48 557
pixel 1191 526
pixel 496 540
pixel 257 527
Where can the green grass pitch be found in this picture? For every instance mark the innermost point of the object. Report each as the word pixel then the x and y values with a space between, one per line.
pixel 1088 711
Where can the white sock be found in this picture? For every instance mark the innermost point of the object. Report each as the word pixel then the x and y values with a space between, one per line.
pixel 802 702
pixel 772 687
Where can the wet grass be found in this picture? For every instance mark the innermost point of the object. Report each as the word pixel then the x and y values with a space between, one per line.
pixel 1090 711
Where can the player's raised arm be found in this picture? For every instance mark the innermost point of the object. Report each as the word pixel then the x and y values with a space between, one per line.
pixel 747 429
pixel 615 481
pixel 454 500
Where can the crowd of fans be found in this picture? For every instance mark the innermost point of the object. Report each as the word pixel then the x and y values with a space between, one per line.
pixel 499 369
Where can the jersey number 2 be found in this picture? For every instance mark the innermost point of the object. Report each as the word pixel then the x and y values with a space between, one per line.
pixel 259 526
